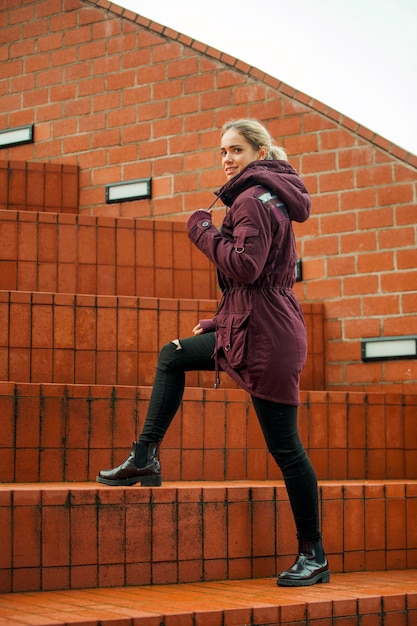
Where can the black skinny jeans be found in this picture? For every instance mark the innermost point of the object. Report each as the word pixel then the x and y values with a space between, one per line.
pixel 278 423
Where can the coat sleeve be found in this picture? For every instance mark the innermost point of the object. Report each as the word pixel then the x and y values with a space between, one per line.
pixel 243 258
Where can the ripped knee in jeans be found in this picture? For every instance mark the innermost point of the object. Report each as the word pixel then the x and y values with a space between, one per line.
pixel 176 343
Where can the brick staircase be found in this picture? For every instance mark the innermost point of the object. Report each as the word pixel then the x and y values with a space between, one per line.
pixel 85 304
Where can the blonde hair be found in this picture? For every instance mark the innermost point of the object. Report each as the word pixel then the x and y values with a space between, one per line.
pixel 257 135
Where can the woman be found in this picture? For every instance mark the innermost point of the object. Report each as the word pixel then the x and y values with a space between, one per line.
pixel 258 335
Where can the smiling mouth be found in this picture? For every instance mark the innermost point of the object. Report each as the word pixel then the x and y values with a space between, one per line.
pixel 230 170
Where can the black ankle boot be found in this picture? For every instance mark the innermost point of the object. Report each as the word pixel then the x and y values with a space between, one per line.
pixel 142 465
pixel 309 568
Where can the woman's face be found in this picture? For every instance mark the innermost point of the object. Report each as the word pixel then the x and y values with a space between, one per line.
pixel 237 153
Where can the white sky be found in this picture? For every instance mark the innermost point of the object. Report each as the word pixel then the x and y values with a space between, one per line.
pixel 357 56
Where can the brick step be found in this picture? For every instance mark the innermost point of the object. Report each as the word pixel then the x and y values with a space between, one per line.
pixel 72 536
pixel 69 432
pixel 62 253
pixel 87 339
pixel 67 338
pixel 38 187
pixel 363 598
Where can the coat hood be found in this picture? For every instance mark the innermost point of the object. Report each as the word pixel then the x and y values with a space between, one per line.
pixel 279 177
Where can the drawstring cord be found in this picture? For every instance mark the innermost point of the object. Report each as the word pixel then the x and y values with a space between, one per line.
pixel 212 204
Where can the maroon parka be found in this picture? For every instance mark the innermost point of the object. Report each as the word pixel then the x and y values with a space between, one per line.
pixel 260 332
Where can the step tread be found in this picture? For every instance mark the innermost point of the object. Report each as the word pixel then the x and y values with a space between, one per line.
pixel 196 484
pixel 216 603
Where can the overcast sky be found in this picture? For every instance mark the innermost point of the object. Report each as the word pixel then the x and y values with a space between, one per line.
pixel 357 56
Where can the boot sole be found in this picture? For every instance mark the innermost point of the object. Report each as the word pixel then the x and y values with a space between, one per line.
pixel 323 577
pixel 145 481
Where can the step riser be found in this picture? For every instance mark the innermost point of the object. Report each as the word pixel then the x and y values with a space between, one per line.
pixel 104 340
pixel 85 536
pixel 87 340
pixel 27 186
pixel 48 252
pixel 65 433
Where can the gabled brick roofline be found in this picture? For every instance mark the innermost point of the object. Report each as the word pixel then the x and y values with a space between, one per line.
pixel 274 83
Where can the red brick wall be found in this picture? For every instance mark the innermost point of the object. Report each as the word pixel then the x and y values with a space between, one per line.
pixel 122 98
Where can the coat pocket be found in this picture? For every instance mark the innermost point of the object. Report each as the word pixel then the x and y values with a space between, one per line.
pixel 232 333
